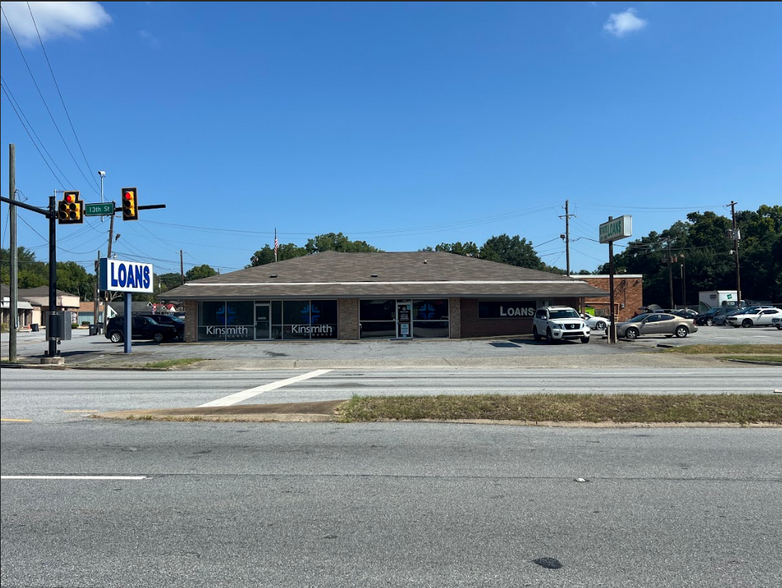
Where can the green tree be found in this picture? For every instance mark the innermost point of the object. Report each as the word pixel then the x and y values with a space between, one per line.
pixel 74 279
pixel 337 242
pixel 199 272
pixel 284 251
pixel 459 248
pixel 511 250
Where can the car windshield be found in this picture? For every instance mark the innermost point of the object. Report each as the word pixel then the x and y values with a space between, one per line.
pixel 640 318
pixel 564 314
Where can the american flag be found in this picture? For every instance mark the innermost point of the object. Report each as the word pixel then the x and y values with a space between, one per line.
pixel 276 244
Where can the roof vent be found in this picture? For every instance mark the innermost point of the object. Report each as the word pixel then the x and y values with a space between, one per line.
pixel 273 276
pixel 425 261
pixel 373 276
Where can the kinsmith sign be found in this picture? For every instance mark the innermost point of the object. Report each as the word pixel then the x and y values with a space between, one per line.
pixel 125 276
pixel 615 229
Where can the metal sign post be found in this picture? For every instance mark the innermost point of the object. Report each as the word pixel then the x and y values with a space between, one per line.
pixel 613 230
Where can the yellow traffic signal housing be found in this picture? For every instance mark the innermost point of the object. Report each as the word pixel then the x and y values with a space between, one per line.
pixel 70 209
pixel 129 204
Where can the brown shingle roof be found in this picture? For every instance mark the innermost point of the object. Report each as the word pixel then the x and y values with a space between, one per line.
pixel 352 275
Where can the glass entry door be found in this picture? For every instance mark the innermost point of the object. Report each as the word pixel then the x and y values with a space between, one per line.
pixel 404 320
pixel 263 321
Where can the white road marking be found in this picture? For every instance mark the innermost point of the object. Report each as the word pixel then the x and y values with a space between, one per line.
pixel 246 394
pixel 73 477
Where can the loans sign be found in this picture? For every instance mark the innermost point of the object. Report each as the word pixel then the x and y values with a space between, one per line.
pixel 125 276
pixel 617 228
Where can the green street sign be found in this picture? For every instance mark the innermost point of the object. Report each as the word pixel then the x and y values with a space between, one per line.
pixel 99 209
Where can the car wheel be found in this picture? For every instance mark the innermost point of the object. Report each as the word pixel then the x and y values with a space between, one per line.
pixel 585 339
pixel 746 323
pixel 158 337
pixel 601 325
pixel 549 337
pixel 116 337
pixel 632 334
pixel 709 322
pixel 535 335
pixel 682 331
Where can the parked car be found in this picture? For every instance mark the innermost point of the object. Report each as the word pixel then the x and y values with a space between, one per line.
pixel 647 309
pixel 777 322
pixel 143 327
pixel 682 312
pixel 715 316
pixel 167 319
pixel 706 318
pixel 557 323
pixel 598 323
pixel 656 323
pixel 759 316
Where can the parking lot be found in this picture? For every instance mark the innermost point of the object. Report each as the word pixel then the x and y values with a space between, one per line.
pixel 86 350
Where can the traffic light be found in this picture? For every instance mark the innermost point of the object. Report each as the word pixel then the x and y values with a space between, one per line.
pixel 70 209
pixel 129 204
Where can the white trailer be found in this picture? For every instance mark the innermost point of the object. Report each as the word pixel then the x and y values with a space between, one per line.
pixel 716 298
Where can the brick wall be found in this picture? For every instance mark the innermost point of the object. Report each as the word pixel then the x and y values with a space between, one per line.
pixel 455 317
pixel 347 310
pixel 191 321
pixel 472 326
pixel 628 295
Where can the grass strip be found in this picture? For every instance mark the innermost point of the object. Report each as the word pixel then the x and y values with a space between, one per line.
pixel 754 358
pixel 174 362
pixel 727 349
pixel 592 408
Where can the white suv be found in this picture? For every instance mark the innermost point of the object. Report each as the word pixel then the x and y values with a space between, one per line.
pixel 557 323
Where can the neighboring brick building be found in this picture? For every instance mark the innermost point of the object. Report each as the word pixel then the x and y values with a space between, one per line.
pixel 628 295
pixel 330 295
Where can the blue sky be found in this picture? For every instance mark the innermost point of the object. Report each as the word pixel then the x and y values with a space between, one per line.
pixel 401 124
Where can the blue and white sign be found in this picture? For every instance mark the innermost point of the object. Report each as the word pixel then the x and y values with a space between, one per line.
pixel 125 276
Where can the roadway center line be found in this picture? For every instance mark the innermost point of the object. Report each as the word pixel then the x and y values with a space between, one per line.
pixel 240 396
pixel 73 477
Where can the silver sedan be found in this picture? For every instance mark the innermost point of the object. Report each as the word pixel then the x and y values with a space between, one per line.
pixel 656 323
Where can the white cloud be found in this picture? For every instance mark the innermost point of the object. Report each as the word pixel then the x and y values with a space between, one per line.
pixel 150 38
pixel 54 19
pixel 621 23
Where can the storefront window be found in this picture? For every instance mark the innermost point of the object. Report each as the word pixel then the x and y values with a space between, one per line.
pixel 378 319
pixel 377 310
pixel 226 321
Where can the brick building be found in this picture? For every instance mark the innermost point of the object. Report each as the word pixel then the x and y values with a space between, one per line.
pixel 332 295
pixel 628 295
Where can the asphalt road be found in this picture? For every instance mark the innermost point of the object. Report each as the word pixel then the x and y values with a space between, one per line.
pixel 51 394
pixel 323 504
pixel 406 504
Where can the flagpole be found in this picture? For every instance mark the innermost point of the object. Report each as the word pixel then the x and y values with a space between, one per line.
pixel 275 245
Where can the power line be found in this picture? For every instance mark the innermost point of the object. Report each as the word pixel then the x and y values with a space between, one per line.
pixel 10 97
pixel 30 71
pixel 62 100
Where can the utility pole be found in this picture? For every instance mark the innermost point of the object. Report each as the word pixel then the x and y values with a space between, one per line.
pixel 52 271
pixel 670 273
pixel 181 267
pixel 14 270
pixel 96 306
pixel 736 239
pixel 566 216
pixel 684 287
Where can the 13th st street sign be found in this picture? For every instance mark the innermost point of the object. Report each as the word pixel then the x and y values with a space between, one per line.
pixel 99 209
pixel 617 228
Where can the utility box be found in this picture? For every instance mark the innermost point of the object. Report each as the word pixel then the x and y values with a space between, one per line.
pixel 58 325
